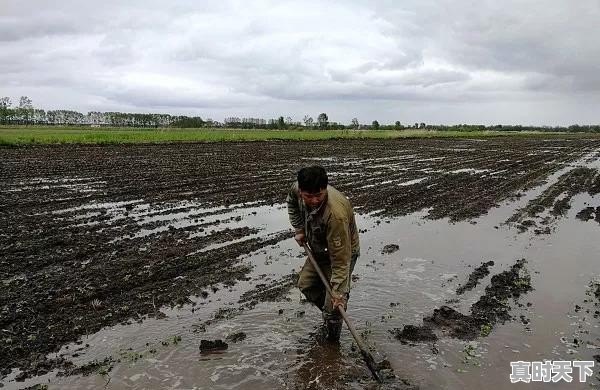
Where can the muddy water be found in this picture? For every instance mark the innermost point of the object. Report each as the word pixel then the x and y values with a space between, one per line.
pixel 283 350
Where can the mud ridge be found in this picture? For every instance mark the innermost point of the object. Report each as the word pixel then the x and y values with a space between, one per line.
pixel 556 199
pixel 478 273
pixel 492 307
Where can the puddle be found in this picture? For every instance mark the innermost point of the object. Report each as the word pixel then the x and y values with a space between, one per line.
pixel 472 171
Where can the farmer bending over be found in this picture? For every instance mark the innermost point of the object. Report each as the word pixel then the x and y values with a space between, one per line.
pixel 323 217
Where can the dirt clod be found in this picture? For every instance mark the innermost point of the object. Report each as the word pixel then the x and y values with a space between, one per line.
pixel 211 346
pixel 478 273
pixel 412 333
pixel 236 337
pixel 94 367
pixel 390 248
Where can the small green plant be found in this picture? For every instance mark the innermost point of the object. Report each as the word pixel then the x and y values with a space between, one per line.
pixel 174 340
pixel 485 330
pixel 471 355
pixel 130 356
pixel 104 370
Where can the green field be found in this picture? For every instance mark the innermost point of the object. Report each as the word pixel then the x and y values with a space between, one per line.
pixel 59 135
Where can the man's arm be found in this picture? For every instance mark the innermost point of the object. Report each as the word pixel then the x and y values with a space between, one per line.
pixel 339 247
pixel 294 213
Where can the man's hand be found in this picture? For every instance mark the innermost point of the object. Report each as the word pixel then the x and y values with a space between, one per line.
pixel 338 300
pixel 300 237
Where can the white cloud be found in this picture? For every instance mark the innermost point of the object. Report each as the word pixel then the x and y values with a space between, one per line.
pixel 432 61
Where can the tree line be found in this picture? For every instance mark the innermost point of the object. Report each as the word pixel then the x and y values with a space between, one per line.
pixel 24 113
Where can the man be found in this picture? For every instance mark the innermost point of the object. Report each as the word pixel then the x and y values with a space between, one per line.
pixel 323 217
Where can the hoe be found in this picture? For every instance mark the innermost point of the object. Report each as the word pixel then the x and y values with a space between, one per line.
pixel 368 358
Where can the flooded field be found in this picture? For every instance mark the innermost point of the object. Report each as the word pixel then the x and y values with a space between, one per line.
pixel 117 261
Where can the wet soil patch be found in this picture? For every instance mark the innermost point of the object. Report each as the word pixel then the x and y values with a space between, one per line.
pixel 593 291
pixel 101 367
pixel 272 292
pixel 455 324
pixel 236 337
pixel 37 387
pixel 478 273
pixel 412 333
pixel 390 248
pixel 589 213
pixel 40 365
pixel 492 307
pixel 207 346
pixel 83 233
pixel 582 314
pixel 108 293
pixel 556 199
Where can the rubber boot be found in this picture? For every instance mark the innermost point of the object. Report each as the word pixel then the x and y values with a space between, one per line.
pixel 333 327
pixel 334 330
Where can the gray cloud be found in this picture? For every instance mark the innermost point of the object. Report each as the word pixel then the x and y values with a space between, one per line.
pixel 432 61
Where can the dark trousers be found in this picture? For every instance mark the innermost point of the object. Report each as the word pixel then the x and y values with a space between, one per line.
pixel 313 289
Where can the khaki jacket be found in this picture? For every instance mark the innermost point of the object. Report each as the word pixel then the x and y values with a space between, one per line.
pixel 330 230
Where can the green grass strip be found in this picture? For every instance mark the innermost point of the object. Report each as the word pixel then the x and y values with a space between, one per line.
pixel 16 136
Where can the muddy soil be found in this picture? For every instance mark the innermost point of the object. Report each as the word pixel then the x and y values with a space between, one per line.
pixel 478 273
pixel 272 292
pixel 207 346
pixel 492 307
pixel 589 213
pixel 95 367
pixel 390 248
pixel 556 200
pixel 85 241
pixel 275 291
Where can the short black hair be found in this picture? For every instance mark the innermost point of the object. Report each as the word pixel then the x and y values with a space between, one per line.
pixel 312 179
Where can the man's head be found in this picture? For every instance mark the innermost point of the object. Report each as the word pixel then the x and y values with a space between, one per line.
pixel 312 182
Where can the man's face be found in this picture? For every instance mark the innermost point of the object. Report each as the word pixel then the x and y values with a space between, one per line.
pixel 313 199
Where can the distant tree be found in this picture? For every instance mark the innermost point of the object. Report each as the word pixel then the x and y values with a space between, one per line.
pixel 5 111
pixel 416 125
pixel 308 121
pixel 5 102
pixel 25 110
pixel 355 123
pixel 25 102
pixel 335 126
pixel 281 123
pixel 375 125
pixel 422 125
pixel 397 125
pixel 95 118
pixel 65 117
pixel 288 120
pixel 38 116
pixel 323 120
pixel 186 122
pixel 233 122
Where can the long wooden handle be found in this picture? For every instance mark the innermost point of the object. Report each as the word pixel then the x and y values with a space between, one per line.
pixel 363 350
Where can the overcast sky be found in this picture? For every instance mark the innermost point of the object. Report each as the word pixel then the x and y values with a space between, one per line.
pixel 439 62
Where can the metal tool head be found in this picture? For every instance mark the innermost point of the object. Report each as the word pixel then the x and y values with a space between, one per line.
pixel 368 358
